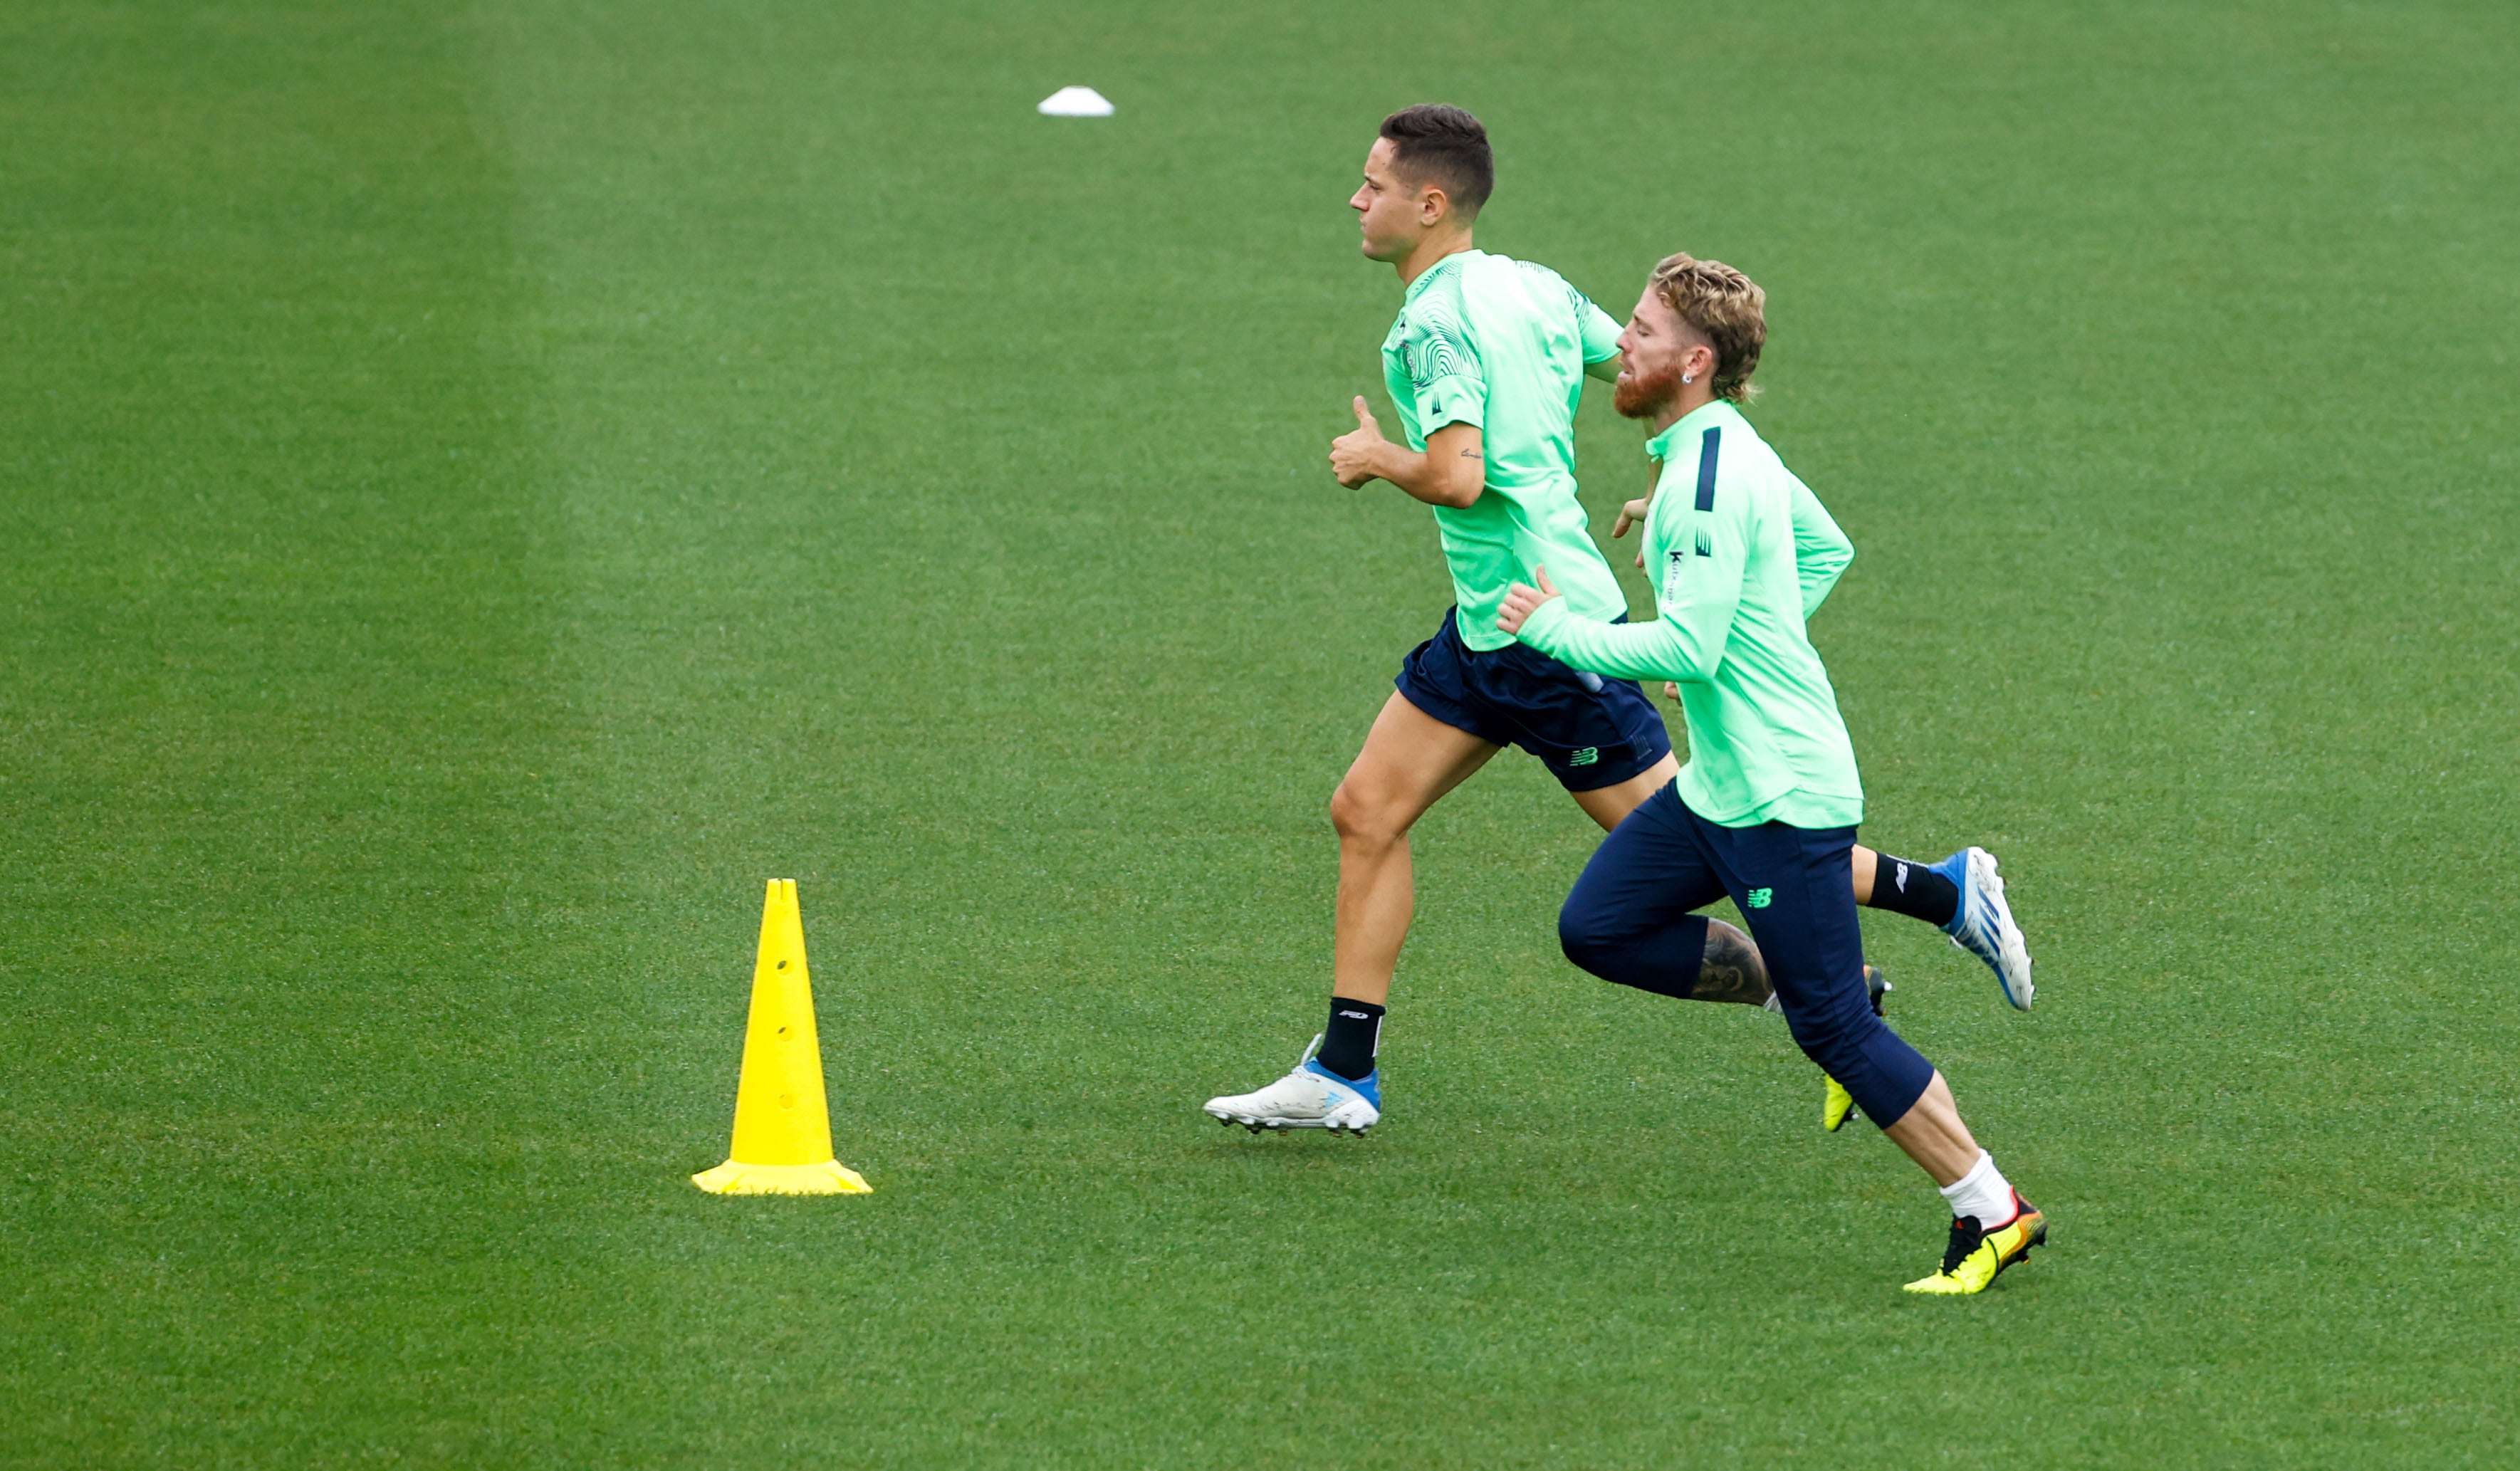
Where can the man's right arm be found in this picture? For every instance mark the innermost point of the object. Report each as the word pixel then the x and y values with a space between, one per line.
pixel 1822 552
pixel 1602 358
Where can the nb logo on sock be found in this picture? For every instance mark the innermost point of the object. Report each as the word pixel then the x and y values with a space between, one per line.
pixel 1901 879
pixel 1758 899
pixel 1354 1015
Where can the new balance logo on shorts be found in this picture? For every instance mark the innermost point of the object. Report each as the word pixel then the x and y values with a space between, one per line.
pixel 1585 757
pixel 1759 899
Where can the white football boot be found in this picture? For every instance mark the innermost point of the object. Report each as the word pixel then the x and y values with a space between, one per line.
pixel 1312 1097
pixel 1983 926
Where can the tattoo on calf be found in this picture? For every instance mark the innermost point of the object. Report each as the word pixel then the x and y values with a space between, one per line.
pixel 1732 970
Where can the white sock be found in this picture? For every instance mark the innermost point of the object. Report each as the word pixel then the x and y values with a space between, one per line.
pixel 1982 1193
pixel 1772 1005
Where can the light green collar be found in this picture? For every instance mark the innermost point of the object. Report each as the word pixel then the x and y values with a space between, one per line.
pixel 1428 275
pixel 1696 422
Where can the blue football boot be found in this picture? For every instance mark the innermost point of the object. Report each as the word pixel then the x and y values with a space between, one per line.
pixel 1312 1097
pixel 1983 926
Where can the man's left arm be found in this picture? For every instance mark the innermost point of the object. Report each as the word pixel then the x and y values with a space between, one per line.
pixel 1695 601
pixel 1452 471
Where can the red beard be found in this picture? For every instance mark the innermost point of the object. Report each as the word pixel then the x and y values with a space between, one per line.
pixel 1642 396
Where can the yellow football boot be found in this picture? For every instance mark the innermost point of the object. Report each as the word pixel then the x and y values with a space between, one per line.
pixel 1976 1256
pixel 1836 1105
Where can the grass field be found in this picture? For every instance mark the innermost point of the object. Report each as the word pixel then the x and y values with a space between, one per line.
pixel 482 489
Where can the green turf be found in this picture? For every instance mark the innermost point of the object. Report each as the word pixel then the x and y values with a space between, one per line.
pixel 480 492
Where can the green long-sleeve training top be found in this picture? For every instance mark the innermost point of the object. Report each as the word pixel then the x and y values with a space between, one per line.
pixel 1742 553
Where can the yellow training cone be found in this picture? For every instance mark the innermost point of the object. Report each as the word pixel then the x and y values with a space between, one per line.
pixel 782 1127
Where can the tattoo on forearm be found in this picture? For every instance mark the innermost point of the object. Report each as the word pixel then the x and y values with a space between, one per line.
pixel 1472 454
pixel 1732 970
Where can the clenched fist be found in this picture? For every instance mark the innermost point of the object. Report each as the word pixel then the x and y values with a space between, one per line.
pixel 1353 455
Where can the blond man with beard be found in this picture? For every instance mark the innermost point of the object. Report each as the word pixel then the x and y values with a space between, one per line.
pixel 1766 811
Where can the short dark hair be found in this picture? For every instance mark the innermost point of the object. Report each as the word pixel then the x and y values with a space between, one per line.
pixel 1432 143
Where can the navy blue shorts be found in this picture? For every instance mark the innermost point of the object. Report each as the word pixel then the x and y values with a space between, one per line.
pixel 1629 920
pixel 1592 732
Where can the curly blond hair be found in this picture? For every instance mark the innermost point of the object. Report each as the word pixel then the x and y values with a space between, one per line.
pixel 1725 307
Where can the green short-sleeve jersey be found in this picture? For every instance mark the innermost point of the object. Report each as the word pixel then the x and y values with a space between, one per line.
pixel 1724 544
pixel 1502 344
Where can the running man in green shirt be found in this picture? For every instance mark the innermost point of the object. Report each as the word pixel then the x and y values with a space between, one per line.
pixel 1766 807
pixel 1486 364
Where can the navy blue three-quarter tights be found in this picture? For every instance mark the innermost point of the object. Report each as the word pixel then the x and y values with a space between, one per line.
pixel 1629 920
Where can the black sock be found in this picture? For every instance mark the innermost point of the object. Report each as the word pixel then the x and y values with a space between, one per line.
pixel 1908 888
pixel 1349 1043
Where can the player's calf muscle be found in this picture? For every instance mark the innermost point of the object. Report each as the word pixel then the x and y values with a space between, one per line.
pixel 1732 970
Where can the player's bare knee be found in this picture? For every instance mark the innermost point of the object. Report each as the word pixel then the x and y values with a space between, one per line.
pixel 1362 818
